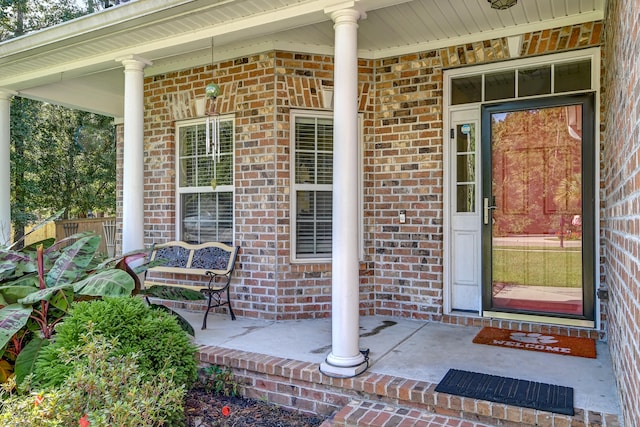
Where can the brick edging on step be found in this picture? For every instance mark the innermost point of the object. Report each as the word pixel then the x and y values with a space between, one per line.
pixel 300 385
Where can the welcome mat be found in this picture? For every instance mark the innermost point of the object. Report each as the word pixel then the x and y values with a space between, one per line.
pixel 548 343
pixel 522 393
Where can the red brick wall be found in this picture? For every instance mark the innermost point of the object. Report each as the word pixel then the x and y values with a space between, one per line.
pixel 260 90
pixel 401 100
pixel 304 290
pixel 621 180
pixel 407 175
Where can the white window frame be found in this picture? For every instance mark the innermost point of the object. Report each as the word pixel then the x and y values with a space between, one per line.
pixel 294 187
pixel 180 191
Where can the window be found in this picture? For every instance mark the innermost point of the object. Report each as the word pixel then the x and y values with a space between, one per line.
pixel 312 185
pixel 466 89
pixel 533 78
pixel 534 81
pixel 205 183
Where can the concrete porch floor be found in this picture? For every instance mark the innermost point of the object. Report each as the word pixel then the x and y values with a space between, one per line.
pixel 423 351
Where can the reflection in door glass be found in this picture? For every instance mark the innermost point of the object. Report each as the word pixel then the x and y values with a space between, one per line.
pixel 537 223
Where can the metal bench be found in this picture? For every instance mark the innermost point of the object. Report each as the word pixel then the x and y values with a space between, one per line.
pixel 213 260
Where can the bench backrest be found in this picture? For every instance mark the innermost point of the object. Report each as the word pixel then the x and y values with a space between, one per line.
pixel 182 257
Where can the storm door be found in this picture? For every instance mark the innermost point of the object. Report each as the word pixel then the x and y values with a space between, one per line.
pixel 538 207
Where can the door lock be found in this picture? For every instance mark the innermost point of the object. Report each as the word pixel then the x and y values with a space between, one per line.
pixel 487 207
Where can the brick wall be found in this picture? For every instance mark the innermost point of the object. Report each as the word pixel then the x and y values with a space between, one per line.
pixel 621 180
pixel 407 175
pixel 304 290
pixel 401 100
pixel 260 90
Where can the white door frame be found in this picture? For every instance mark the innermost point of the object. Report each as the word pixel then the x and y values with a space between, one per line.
pixel 591 53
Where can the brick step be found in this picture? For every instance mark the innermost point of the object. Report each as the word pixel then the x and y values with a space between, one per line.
pixel 300 385
pixel 360 413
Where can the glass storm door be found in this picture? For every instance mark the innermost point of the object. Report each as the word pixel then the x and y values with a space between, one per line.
pixel 538 207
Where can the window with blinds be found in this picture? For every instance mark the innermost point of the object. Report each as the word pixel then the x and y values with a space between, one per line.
pixel 312 185
pixel 205 182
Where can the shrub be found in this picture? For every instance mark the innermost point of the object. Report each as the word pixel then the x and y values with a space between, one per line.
pixel 38 285
pixel 103 389
pixel 219 380
pixel 154 335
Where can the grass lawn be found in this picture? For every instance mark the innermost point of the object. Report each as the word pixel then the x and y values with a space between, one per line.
pixel 538 266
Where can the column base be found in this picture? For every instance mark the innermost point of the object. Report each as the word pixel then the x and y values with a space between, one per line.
pixel 336 371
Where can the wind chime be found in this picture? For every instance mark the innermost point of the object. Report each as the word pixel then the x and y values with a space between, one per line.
pixel 212 125
pixel 212 129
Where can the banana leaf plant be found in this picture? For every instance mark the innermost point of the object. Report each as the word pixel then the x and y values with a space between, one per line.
pixel 39 283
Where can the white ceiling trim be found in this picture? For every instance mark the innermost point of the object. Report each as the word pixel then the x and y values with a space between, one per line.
pixel 251 27
pixel 230 52
pixel 486 35
pixel 121 17
pixel 178 34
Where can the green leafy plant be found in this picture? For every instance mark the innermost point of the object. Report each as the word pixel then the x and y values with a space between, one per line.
pixel 154 335
pixel 219 380
pixel 39 283
pixel 102 389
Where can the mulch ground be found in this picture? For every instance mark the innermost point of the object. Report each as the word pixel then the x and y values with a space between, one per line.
pixel 206 409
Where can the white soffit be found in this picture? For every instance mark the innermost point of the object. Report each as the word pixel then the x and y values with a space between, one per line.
pixel 78 57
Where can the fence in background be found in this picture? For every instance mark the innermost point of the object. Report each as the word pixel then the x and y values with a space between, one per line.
pixel 104 227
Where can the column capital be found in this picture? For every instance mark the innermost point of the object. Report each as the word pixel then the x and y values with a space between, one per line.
pixel 134 62
pixel 347 12
pixel 7 94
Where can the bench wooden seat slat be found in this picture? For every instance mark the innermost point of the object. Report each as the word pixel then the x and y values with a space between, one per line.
pixel 214 260
pixel 196 288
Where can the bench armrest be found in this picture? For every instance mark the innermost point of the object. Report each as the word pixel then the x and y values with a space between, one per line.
pixel 213 284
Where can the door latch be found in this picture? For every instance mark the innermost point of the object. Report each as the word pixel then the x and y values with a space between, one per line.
pixel 487 207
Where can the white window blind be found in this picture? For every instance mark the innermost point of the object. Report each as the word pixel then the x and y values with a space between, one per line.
pixel 313 159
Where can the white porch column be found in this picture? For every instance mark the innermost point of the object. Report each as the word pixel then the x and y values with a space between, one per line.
pixel 133 154
pixel 345 359
pixel 5 165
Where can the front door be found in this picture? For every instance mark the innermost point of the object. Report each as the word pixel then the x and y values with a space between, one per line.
pixel 464 149
pixel 537 209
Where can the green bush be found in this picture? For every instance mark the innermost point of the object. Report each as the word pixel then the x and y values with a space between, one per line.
pixel 219 379
pixel 154 335
pixel 101 388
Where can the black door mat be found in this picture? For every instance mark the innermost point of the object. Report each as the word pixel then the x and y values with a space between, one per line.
pixel 522 393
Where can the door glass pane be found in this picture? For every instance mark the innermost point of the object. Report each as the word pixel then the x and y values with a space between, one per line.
pixel 465 198
pixel 465 167
pixel 534 81
pixel 537 221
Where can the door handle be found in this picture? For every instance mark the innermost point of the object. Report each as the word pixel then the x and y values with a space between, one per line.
pixel 487 207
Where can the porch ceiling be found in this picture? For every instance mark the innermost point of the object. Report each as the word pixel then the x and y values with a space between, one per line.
pixel 75 63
